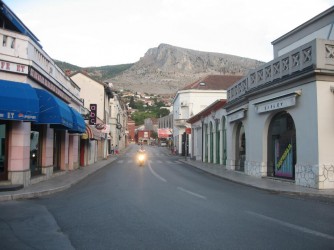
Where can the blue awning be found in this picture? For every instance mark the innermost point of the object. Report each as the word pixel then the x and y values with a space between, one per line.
pixel 53 111
pixel 79 125
pixel 18 101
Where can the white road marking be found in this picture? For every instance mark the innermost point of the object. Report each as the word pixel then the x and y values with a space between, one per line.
pixel 120 161
pixel 154 173
pixel 191 193
pixel 298 228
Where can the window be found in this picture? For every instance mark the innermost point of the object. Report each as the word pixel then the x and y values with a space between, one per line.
pixel 12 44
pixel 4 41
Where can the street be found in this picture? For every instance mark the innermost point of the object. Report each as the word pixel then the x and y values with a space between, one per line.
pixel 165 204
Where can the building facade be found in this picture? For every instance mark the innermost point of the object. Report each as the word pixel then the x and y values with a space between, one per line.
pixel 192 99
pixel 278 120
pixel 96 141
pixel 118 122
pixel 40 108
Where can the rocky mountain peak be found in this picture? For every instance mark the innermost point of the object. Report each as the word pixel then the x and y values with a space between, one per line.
pixel 166 68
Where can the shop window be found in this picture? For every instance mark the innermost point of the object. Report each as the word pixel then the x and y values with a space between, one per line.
pixel 35 151
pixel 2 151
pixel 282 147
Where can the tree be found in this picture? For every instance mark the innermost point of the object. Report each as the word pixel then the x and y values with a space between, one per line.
pixel 132 103
pixel 162 112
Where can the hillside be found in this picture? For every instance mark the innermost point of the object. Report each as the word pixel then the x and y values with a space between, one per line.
pixel 167 68
pixel 99 73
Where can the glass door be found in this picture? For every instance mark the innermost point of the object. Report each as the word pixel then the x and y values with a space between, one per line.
pixel 3 152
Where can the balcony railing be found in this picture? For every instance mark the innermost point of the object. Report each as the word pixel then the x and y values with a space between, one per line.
pixel 180 122
pixel 317 53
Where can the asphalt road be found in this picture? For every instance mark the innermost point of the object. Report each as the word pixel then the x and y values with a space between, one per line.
pixel 165 204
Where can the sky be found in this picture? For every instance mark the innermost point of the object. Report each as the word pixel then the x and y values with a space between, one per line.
pixel 90 33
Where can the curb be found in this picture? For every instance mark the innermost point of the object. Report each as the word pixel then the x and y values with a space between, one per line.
pixel 36 194
pixel 323 197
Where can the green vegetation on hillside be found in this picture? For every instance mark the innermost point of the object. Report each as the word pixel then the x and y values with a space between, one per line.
pixel 145 111
pixel 99 73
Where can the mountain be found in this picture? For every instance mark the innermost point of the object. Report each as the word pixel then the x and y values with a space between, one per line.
pixel 166 69
pixel 99 73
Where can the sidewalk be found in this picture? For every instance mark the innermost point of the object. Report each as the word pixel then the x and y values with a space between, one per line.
pixel 55 184
pixel 264 183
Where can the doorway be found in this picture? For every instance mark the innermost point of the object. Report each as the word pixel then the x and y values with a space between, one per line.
pixel 3 151
pixel 282 147
pixel 240 147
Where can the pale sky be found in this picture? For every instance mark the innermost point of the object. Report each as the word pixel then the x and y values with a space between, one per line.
pixel 110 32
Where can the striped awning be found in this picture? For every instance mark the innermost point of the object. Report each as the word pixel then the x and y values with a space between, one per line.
pixel 92 133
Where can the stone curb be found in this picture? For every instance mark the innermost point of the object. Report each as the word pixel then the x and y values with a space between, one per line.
pixel 326 197
pixel 36 194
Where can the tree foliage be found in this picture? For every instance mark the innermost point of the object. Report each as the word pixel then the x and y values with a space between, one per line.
pixel 145 111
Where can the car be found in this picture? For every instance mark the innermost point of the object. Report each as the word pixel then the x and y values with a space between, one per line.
pixel 163 144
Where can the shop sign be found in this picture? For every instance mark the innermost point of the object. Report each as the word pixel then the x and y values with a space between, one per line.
pixel 100 126
pixel 13 67
pixel 236 116
pixel 276 104
pixel 48 84
pixel 92 114
pixel 17 116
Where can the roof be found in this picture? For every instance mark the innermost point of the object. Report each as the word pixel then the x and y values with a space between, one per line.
pixel 85 73
pixel 19 25
pixel 218 104
pixel 214 82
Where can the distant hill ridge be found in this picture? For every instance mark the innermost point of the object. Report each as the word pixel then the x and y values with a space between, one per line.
pixel 166 69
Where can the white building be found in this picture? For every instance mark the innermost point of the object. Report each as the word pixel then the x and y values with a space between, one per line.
pixel 95 96
pixel 40 108
pixel 278 121
pixel 118 122
pixel 194 98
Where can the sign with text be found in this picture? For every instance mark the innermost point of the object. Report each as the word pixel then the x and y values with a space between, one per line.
pixel 236 116
pixel 276 104
pixel 13 67
pixel 92 114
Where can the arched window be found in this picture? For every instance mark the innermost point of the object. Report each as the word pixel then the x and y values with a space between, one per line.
pixel 217 141
pixel 282 146
pixel 240 147
pixel 211 142
pixel 224 140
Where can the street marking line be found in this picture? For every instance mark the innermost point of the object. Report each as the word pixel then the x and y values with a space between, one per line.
pixel 154 173
pixel 191 193
pixel 298 228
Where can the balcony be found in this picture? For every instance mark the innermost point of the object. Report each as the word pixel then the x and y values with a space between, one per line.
pixel 180 122
pixel 317 54
pixel 22 51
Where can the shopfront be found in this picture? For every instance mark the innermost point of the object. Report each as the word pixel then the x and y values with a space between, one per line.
pixel 280 119
pixel 282 146
pixel 3 150
pixel 34 132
